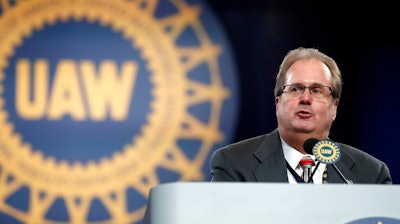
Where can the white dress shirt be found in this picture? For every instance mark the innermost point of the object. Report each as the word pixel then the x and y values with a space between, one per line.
pixel 293 157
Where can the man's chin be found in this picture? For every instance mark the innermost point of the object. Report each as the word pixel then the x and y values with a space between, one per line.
pixel 304 127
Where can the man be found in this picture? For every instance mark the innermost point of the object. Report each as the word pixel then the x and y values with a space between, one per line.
pixel 307 93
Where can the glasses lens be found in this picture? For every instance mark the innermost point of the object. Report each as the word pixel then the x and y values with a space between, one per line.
pixel 316 91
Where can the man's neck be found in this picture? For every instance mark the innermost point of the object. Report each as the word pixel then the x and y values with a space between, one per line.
pixel 296 140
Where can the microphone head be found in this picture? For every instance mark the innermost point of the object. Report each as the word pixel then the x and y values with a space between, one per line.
pixel 309 145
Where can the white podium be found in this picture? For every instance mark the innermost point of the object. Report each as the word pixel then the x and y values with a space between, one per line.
pixel 248 203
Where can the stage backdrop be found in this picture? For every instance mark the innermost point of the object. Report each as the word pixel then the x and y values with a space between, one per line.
pixel 102 100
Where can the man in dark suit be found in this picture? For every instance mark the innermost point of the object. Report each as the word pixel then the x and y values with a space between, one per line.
pixel 307 93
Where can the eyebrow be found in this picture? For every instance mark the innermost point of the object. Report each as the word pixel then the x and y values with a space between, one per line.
pixel 313 84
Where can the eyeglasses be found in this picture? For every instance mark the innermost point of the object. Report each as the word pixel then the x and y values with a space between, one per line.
pixel 316 91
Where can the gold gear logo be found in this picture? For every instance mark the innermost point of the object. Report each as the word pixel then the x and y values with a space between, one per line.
pixel 326 152
pixel 134 166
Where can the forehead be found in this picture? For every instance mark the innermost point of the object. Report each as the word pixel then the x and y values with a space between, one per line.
pixel 308 71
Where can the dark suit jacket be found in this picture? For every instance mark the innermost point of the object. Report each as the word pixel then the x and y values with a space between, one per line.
pixel 261 159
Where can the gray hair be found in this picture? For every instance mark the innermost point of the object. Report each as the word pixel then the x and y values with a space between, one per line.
pixel 307 53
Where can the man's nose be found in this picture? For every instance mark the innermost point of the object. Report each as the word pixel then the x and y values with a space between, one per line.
pixel 306 93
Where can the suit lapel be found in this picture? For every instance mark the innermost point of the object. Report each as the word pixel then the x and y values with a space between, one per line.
pixel 272 166
pixel 345 164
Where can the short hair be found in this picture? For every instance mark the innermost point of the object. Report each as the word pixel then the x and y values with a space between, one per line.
pixel 306 53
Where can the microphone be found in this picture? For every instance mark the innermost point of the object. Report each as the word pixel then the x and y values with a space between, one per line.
pixel 306 164
pixel 325 151
pixel 308 146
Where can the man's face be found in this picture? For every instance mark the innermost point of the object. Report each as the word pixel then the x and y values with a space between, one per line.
pixel 305 113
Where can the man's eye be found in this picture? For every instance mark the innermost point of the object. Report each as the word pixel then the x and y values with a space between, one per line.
pixel 297 89
pixel 316 90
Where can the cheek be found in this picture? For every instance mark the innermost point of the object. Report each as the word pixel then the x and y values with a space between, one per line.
pixel 329 113
pixel 284 107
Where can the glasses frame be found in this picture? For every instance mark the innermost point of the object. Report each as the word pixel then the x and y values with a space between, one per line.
pixel 303 87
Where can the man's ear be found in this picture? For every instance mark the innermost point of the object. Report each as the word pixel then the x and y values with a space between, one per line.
pixel 276 100
pixel 335 107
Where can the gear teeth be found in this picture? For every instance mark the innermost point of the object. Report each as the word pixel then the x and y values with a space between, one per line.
pixel 134 167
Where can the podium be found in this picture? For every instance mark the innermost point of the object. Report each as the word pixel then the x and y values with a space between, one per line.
pixel 239 203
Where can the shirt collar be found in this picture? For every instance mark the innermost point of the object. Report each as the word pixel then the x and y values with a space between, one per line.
pixel 292 156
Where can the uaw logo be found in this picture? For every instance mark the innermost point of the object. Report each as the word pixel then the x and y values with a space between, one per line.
pixel 377 220
pixel 102 100
pixel 326 152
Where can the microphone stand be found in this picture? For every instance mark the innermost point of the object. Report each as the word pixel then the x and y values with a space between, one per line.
pixel 337 171
pixel 341 175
